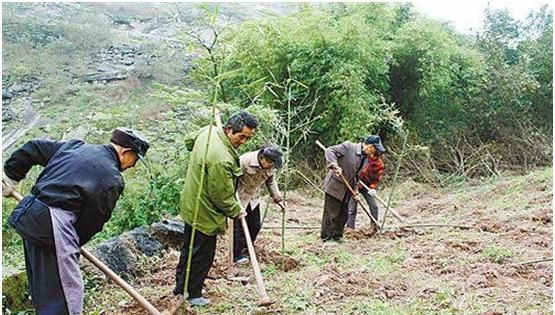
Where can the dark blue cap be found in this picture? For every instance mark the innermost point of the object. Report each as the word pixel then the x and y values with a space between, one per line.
pixel 376 141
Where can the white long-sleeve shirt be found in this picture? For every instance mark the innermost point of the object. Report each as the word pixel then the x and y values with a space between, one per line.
pixel 252 179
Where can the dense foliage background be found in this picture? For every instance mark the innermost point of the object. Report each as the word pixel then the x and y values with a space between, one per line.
pixel 480 104
pixel 471 105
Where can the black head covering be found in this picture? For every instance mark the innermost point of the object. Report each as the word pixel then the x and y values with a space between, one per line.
pixel 131 139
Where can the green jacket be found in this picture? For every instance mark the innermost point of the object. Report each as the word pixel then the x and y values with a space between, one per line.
pixel 217 198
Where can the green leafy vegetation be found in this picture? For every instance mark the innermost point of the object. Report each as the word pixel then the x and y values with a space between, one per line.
pixel 478 108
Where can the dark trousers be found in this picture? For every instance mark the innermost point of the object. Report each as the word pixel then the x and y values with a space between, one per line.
pixel 334 217
pixel 353 205
pixel 51 247
pixel 44 280
pixel 204 250
pixel 254 225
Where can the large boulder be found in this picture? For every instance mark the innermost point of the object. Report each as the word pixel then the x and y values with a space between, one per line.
pixel 169 232
pixel 121 253
pixel 144 242
pixel 117 255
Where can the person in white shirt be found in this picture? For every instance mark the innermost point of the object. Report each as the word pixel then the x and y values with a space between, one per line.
pixel 258 167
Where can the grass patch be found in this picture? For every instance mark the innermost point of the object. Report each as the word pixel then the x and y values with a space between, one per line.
pixel 497 254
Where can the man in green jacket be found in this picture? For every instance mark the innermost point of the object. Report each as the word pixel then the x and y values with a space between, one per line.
pixel 206 202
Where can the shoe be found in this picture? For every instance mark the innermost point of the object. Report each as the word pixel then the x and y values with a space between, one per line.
pixel 241 260
pixel 335 239
pixel 199 301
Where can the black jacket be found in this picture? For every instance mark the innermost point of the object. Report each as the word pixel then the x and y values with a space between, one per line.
pixel 79 177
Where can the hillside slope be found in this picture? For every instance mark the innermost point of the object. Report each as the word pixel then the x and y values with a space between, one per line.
pixel 486 269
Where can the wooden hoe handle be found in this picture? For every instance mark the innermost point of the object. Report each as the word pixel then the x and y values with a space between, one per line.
pixel 264 298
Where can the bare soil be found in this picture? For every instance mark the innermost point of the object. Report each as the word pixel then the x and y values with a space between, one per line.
pixel 488 269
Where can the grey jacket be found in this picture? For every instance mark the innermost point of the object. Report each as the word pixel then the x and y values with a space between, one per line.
pixel 252 179
pixel 349 157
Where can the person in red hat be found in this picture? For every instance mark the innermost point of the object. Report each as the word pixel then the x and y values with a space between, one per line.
pixel 70 202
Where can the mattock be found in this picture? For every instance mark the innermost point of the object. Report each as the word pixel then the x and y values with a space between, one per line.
pixel 264 299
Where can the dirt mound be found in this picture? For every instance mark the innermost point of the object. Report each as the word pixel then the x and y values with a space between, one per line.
pixel 287 264
pixel 390 291
pixel 267 255
pixel 468 246
pixel 361 233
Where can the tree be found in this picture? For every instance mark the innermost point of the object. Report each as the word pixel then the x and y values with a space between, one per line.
pixel 339 56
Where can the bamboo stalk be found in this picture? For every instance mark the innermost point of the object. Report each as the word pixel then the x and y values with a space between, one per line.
pixel 292 227
pixel 287 172
pixel 535 261
pixel 265 211
pixel 197 200
pixel 437 225
pixel 394 180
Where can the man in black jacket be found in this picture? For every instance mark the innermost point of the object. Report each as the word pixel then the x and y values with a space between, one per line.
pixel 71 200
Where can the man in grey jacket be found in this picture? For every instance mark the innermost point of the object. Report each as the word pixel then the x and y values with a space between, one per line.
pixel 258 167
pixel 345 159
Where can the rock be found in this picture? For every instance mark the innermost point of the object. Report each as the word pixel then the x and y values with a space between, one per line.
pixel 477 281
pixel 72 89
pixel 15 297
pixel 128 61
pixel 144 242
pixel 117 255
pixel 169 232
pixel 127 50
pixel 122 252
pixel 7 114
pixel 105 68
pixel 107 76
pixel 6 94
pixel 18 88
